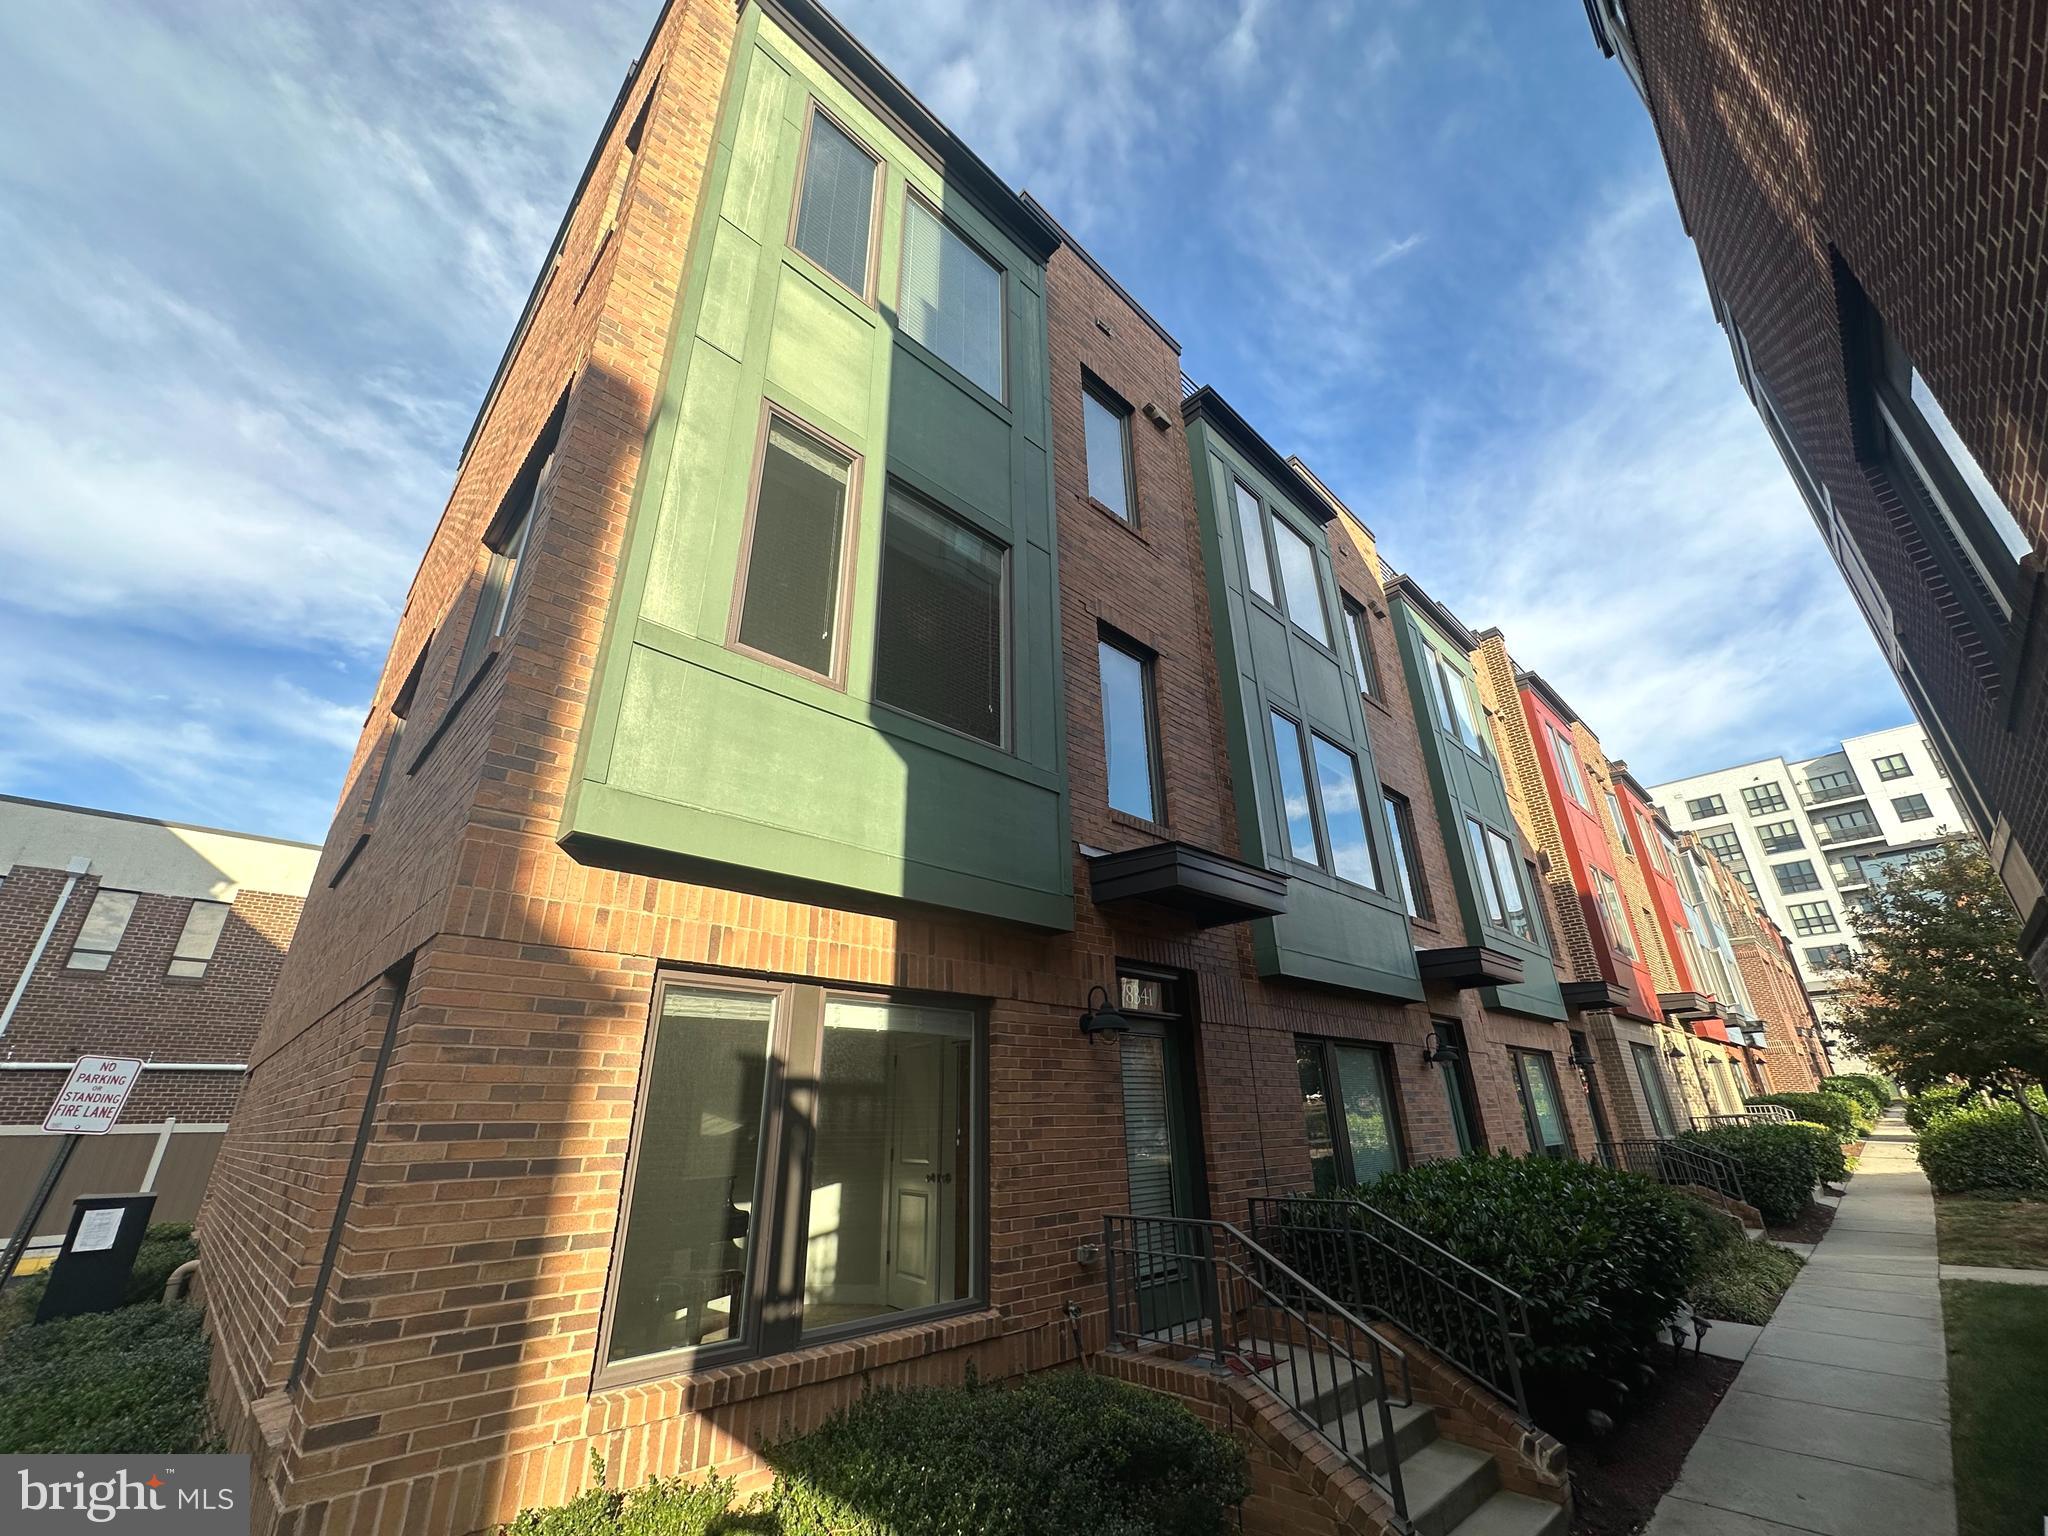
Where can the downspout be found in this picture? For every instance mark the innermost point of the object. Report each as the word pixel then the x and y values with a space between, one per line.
pixel 78 866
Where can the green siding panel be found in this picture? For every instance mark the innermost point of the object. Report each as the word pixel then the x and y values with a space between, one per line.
pixel 742 771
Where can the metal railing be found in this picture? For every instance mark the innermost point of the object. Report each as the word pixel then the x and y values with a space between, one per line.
pixel 1187 386
pixel 1208 1288
pixel 1861 832
pixel 1380 1268
pixel 1827 794
pixel 1677 1163
pixel 1754 1114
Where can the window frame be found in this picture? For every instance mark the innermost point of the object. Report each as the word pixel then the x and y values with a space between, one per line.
pixel 394 734
pixel 1607 896
pixel 1717 805
pixel 1325 1048
pixel 1649 1069
pixel 1565 758
pixel 783 1177
pixel 1765 799
pixel 1452 687
pixel 1400 816
pixel 1893 765
pixel 866 294
pixel 1806 924
pixel 1923 811
pixel 1277 525
pixel 1006 627
pixel 1147 659
pixel 171 971
pixel 1628 843
pixel 913 193
pixel 1779 876
pixel 1480 842
pixel 1310 790
pixel 78 940
pixel 1772 836
pixel 1358 630
pixel 1093 389
pixel 513 529
pixel 849 545
pixel 1521 1057
pixel 1238 493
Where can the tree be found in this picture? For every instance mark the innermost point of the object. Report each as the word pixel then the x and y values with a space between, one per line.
pixel 1940 989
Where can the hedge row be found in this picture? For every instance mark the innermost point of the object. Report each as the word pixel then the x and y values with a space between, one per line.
pixel 1872 1090
pixel 127 1382
pixel 1779 1164
pixel 1849 1118
pixel 1985 1147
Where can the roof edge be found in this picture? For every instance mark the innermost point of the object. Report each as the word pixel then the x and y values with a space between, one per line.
pixel 1206 404
pixel 1410 590
pixel 1100 271
pixel 157 821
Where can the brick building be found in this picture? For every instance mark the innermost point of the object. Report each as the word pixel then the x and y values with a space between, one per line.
pixel 1852 177
pixel 140 938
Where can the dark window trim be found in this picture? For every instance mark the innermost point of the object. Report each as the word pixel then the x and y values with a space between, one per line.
pixel 1413 876
pixel 912 193
pixel 866 294
pixel 1358 620
pixel 1325 1047
pixel 1547 1061
pixel 1717 805
pixel 1155 760
pixel 1092 387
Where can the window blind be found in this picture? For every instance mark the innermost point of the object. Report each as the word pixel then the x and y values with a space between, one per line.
pixel 939 638
pixel 838 203
pixel 952 298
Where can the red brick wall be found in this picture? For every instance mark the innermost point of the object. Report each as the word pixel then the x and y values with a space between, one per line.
pixel 133 1007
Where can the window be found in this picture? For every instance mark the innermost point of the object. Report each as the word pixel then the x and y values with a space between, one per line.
pixel 1620 824
pixel 1725 845
pixel 1650 1077
pixel 201 935
pixel 1501 897
pixel 1539 905
pixel 394 736
pixel 1251 537
pixel 1129 729
pixel 1795 876
pixel 1831 785
pixel 100 935
pixel 1106 439
pixel 1812 917
pixel 1542 1105
pixel 1780 836
pixel 1912 807
pixel 1298 581
pixel 876 1176
pixel 1847 826
pixel 1617 915
pixel 1828 957
pixel 792 577
pixel 835 207
pixel 502 573
pixel 942 624
pixel 1762 799
pixel 1295 809
pixel 2010 538
pixel 1567 762
pixel 1401 828
pixel 1459 1092
pixel 1454 696
pixel 1342 796
pixel 1364 661
pixel 1348 1112
pixel 1706 807
pixel 1893 765
pixel 951 298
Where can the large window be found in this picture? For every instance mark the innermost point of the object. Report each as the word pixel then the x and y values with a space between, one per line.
pixel 1780 836
pixel 1401 828
pixel 1567 762
pixel 1831 785
pixel 198 939
pixel 1129 728
pixel 1828 957
pixel 1813 917
pixel 1251 538
pixel 1628 845
pixel 1706 807
pixel 835 210
pixel 1615 913
pixel 1795 876
pixel 1849 826
pixel 1106 438
pixel 1364 661
pixel 106 920
pixel 1459 1092
pixel 1454 698
pixel 791 579
pixel 1893 765
pixel 951 299
pixel 1501 896
pixel 1912 807
pixel 1762 799
pixel 1324 814
pixel 1650 1077
pixel 1298 582
pixel 941 637
pixel 841 1133
pixel 1725 845
pixel 1542 1105
pixel 506 542
pixel 1348 1113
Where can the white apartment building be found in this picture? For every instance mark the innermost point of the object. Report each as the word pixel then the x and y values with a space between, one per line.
pixel 1810 836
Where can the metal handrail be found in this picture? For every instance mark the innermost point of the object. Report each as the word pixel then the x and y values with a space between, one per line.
pixel 1386 1269
pixel 1754 1114
pixel 1257 1316
pixel 1675 1163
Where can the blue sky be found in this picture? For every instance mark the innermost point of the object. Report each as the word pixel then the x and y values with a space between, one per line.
pixel 262 257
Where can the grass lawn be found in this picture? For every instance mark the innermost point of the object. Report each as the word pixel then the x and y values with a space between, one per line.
pixel 1998 1400
pixel 2003 1234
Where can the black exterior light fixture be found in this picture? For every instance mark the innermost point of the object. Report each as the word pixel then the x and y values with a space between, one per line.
pixel 1436 1052
pixel 1675 1054
pixel 1582 1056
pixel 1104 1020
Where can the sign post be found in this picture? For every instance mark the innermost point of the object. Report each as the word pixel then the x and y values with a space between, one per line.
pixel 89 1104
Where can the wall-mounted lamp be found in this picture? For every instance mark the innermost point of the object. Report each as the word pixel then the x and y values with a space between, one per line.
pixel 1438 1052
pixel 1104 1020
pixel 1582 1057
pixel 1675 1054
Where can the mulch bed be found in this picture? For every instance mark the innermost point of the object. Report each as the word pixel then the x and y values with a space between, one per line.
pixel 1618 1477
pixel 1811 1227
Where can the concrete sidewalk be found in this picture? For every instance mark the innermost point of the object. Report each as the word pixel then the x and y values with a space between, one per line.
pixel 1838 1422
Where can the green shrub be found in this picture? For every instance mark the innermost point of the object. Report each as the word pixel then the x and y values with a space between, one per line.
pixel 1930 1104
pixel 1987 1147
pixel 1712 1229
pixel 131 1381
pixel 1778 1164
pixel 1601 1257
pixel 1876 1091
pixel 1742 1282
pixel 661 1506
pixel 1848 1118
pixel 1062 1452
pixel 165 1246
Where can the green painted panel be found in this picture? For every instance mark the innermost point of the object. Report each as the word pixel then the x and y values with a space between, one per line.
pixel 819 350
pixel 732 765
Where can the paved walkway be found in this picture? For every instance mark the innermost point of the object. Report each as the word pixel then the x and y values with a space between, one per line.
pixel 1838 1422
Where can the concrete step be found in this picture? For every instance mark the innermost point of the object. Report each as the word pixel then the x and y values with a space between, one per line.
pixel 1359 1432
pixel 1513 1514
pixel 1446 1482
pixel 1312 1380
